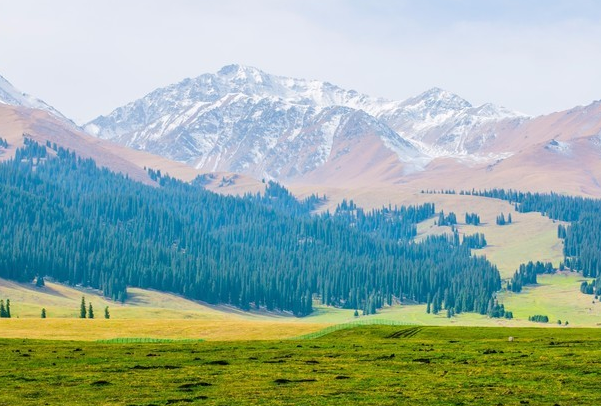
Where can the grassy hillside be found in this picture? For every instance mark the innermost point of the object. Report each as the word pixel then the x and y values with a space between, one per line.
pixel 531 237
pixel 62 301
pixel 557 296
pixel 365 366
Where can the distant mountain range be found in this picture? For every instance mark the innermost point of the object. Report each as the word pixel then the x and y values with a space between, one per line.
pixel 297 131
pixel 242 119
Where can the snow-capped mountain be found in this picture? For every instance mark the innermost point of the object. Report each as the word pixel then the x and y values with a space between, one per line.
pixel 14 97
pixel 244 120
pixel 441 123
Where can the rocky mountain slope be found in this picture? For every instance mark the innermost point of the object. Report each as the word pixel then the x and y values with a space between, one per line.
pixel 16 123
pixel 312 133
pixel 244 120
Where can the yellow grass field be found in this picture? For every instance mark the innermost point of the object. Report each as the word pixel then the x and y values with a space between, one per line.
pixel 98 329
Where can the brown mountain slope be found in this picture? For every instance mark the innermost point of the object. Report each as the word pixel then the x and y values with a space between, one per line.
pixel 42 126
pixel 559 152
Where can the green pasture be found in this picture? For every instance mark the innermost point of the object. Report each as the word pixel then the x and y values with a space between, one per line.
pixel 365 365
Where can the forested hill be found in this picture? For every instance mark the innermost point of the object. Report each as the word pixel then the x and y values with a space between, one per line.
pixel 64 217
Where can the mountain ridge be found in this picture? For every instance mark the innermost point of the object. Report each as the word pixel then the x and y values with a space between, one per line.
pixel 10 95
pixel 201 121
pixel 293 136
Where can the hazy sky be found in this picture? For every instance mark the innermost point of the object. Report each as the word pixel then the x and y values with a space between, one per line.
pixel 87 57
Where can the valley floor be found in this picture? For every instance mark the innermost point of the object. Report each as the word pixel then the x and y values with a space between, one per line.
pixel 154 314
pixel 375 365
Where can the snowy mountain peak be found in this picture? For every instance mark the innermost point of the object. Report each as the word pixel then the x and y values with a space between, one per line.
pixel 14 97
pixel 241 72
pixel 436 99
pixel 242 119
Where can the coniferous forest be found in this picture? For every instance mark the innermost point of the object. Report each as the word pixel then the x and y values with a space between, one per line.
pixel 65 218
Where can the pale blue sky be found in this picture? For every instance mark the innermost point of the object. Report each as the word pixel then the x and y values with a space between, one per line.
pixel 88 57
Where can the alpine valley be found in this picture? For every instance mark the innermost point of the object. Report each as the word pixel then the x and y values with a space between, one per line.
pixel 358 250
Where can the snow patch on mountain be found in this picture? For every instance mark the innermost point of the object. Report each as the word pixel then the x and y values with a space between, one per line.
pixel 442 124
pixel 558 146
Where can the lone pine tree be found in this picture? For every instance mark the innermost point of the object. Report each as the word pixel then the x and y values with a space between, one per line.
pixel 82 308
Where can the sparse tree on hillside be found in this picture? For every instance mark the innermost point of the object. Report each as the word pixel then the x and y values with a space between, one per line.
pixel 2 309
pixel 43 313
pixel 90 311
pixel 82 308
pixel 39 282
pixel 8 308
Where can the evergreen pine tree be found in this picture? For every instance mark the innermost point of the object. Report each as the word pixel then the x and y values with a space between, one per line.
pixel 2 309
pixel 43 313
pixel 82 308
pixel 8 308
pixel 107 315
pixel 90 311
pixel 39 282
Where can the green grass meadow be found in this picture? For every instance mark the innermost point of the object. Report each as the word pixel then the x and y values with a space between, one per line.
pixel 366 365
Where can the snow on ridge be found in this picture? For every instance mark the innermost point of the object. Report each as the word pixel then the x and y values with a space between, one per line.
pixel 243 119
pixel 14 97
